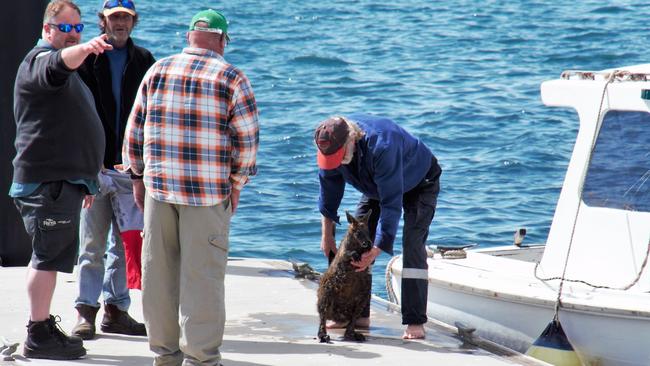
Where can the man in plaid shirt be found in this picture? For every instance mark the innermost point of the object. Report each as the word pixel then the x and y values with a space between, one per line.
pixel 191 141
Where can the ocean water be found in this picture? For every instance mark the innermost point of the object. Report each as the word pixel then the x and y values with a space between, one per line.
pixel 461 75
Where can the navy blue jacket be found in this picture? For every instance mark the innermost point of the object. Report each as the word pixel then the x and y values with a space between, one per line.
pixel 387 162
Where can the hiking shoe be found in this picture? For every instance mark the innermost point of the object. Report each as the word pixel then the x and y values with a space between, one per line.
pixel 56 328
pixel 85 327
pixel 118 321
pixel 46 339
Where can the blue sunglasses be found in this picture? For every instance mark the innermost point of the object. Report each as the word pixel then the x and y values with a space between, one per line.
pixel 110 4
pixel 67 28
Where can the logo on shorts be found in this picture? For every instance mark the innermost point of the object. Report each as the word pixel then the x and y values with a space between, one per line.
pixel 52 222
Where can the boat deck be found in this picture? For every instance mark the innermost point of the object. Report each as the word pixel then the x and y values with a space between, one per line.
pixel 272 320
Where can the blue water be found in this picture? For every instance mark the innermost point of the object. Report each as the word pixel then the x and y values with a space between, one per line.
pixel 462 75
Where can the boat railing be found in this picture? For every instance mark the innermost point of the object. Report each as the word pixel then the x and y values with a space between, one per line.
pixel 619 75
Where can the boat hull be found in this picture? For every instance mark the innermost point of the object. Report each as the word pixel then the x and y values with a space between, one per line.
pixel 506 314
pixel 511 322
pixel 606 339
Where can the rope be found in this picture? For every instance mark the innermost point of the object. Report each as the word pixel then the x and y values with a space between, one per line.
pixel 390 291
pixel 304 270
pixel 610 78
pixel 620 75
pixel 453 254
pixel 7 349
pixel 624 288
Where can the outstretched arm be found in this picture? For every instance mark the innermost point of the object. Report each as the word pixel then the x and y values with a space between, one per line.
pixel 74 56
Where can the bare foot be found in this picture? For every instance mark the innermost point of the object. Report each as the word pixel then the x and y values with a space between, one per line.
pixel 363 323
pixel 414 331
pixel 335 325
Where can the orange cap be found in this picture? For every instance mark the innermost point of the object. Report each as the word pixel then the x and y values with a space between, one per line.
pixel 330 138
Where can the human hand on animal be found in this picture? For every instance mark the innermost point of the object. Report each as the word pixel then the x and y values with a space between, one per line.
pixel 366 259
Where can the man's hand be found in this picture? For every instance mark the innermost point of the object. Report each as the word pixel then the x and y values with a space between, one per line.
pixel 327 245
pixel 88 201
pixel 234 199
pixel 74 56
pixel 97 45
pixel 327 242
pixel 366 259
pixel 138 193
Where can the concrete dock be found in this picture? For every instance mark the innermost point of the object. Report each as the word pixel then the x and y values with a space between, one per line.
pixel 272 320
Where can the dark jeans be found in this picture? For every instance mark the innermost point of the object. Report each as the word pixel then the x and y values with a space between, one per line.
pixel 51 218
pixel 419 208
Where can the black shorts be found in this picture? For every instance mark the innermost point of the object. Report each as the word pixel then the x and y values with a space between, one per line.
pixel 51 218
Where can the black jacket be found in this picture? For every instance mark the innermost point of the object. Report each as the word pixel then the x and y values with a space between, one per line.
pixel 96 73
pixel 58 133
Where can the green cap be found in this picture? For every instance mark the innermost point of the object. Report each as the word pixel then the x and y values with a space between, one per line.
pixel 216 22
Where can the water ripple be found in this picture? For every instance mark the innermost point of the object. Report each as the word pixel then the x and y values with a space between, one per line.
pixel 462 75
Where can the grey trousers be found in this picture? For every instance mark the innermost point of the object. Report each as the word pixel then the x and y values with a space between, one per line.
pixel 184 257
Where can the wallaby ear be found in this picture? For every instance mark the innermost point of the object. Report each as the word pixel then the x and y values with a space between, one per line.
pixel 366 217
pixel 351 218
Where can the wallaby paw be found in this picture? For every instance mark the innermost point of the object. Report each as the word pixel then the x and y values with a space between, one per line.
pixel 355 337
pixel 324 338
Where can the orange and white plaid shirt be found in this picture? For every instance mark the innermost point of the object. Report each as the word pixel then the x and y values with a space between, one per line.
pixel 193 132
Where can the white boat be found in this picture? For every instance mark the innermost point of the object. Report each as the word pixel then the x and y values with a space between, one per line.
pixel 595 257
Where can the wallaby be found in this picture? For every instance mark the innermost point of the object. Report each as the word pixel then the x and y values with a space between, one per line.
pixel 343 292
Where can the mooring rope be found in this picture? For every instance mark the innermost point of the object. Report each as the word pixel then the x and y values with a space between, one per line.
pixel 390 291
pixel 624 288
pixel 558 301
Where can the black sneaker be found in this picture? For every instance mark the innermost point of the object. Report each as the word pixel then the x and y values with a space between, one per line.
pixel 45 339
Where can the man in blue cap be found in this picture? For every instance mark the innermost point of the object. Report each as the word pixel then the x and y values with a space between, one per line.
pixel 113 77
pixel 394 171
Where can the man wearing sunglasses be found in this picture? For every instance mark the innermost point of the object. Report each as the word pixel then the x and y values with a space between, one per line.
pixel 200 148
pixel 59 148
pixel 110 240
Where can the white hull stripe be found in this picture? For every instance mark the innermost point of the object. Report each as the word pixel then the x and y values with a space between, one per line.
pixel 415 273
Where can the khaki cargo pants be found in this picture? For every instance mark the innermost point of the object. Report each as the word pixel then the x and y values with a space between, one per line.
pixel 184 257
